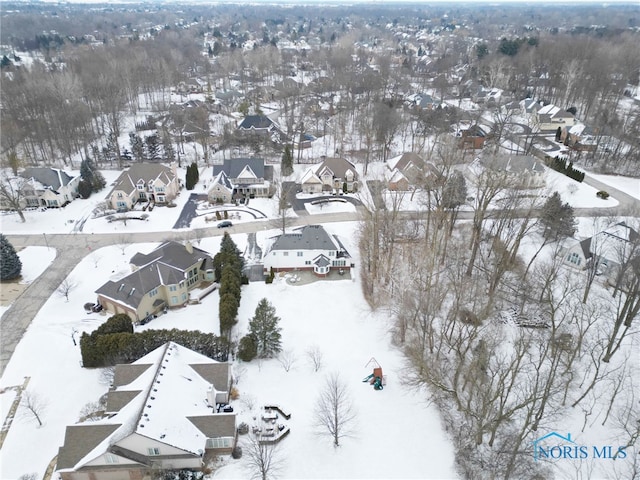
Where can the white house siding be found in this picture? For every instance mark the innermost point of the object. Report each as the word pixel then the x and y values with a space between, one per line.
pixel 283 260
pixel 140 444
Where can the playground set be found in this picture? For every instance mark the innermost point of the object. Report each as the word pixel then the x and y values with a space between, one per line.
pixel 377 379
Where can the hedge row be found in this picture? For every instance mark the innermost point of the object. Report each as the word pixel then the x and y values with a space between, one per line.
pixel 560 165
pixel 106 347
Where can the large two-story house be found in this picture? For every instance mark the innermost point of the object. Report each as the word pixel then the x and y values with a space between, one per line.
pixel 161 279
pixel 144 182
pixel 246 176
pixel 307 248
pixel 160 415
pixel 48 187
pixel 605 251
pixel 335 173
pixel 550 117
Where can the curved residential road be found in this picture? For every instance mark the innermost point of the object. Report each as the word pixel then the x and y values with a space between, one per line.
pixel 71 248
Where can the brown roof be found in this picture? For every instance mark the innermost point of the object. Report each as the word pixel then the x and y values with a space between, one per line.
pixel 124 374
pixel 118 399
pixel 79 440
pixel 217 425
pixel 214 373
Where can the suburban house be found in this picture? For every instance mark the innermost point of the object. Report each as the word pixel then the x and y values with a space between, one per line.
pixel 472 138
pixel 307 248
pixel 48 187
pixel 335 172
pixel 144 182
pixel 550 117
pixel 422 101
pixel 160 415
pixel 261 125
pixel 518 171
pixel 611 248
pixel 406 171
pixel 310 182
pixel 246 175
pixel 580 137
pixel 161 279
pixel 220 189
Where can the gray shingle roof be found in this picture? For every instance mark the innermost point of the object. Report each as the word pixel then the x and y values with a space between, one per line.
pixel 127 180
pixel 219 425
pixel 48 177
pixel 322 261
pixel 310 237
pixel 255 121
pixel 166 265
pixel 232 167
pixel 79 440
pixel 171 253
pixel 338 166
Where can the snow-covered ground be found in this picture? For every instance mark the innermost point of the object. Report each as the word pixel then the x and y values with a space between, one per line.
pixel 397 434
pixel 34 261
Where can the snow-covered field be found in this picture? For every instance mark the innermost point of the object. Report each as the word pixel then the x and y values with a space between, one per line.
pixel 397 435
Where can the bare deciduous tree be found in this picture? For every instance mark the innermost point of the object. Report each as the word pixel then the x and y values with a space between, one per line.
pixel 287 358
pixel 334 413
pixel 263 458
pixel 34 405
pixel 66 287
pixel 12 194
pixel 314 356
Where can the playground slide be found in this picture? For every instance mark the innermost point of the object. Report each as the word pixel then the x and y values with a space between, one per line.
pixel 366 379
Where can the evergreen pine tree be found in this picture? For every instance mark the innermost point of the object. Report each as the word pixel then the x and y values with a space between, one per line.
pixel 167 145
pixel 557 218
pixel 189 181
pixel 454 191
pixel 263 327
pixel 84 189
pixel 152 147
pixel 10 264
pixel 286 164
pixel 137 147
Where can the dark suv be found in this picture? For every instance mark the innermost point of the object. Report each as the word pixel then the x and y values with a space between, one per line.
pixel 225 224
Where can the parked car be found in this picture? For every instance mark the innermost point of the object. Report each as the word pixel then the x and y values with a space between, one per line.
pixel 225 224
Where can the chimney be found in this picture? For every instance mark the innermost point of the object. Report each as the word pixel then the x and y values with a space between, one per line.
pixel 189 247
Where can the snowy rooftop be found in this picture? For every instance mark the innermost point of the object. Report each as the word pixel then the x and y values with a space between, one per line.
pixel 165 390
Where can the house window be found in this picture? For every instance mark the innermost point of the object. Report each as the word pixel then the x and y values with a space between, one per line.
pixel 285 254
pixel 174 300
pixel 574 258
pixel 184 297
pixel 153 292
pixel 121 205
pixel 173 288
pixel 307 262
pixel 153 452
pixel 221 442
pixel 140 186
pixel 159 189
pixel 331 254
pixel 299 254
pixel 274 254
pixel 119 195
pixel 161 199
pixel 108 458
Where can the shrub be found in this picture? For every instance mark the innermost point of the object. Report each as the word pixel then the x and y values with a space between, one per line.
pixel 602 194
pixel 236 453
pixel 247 350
